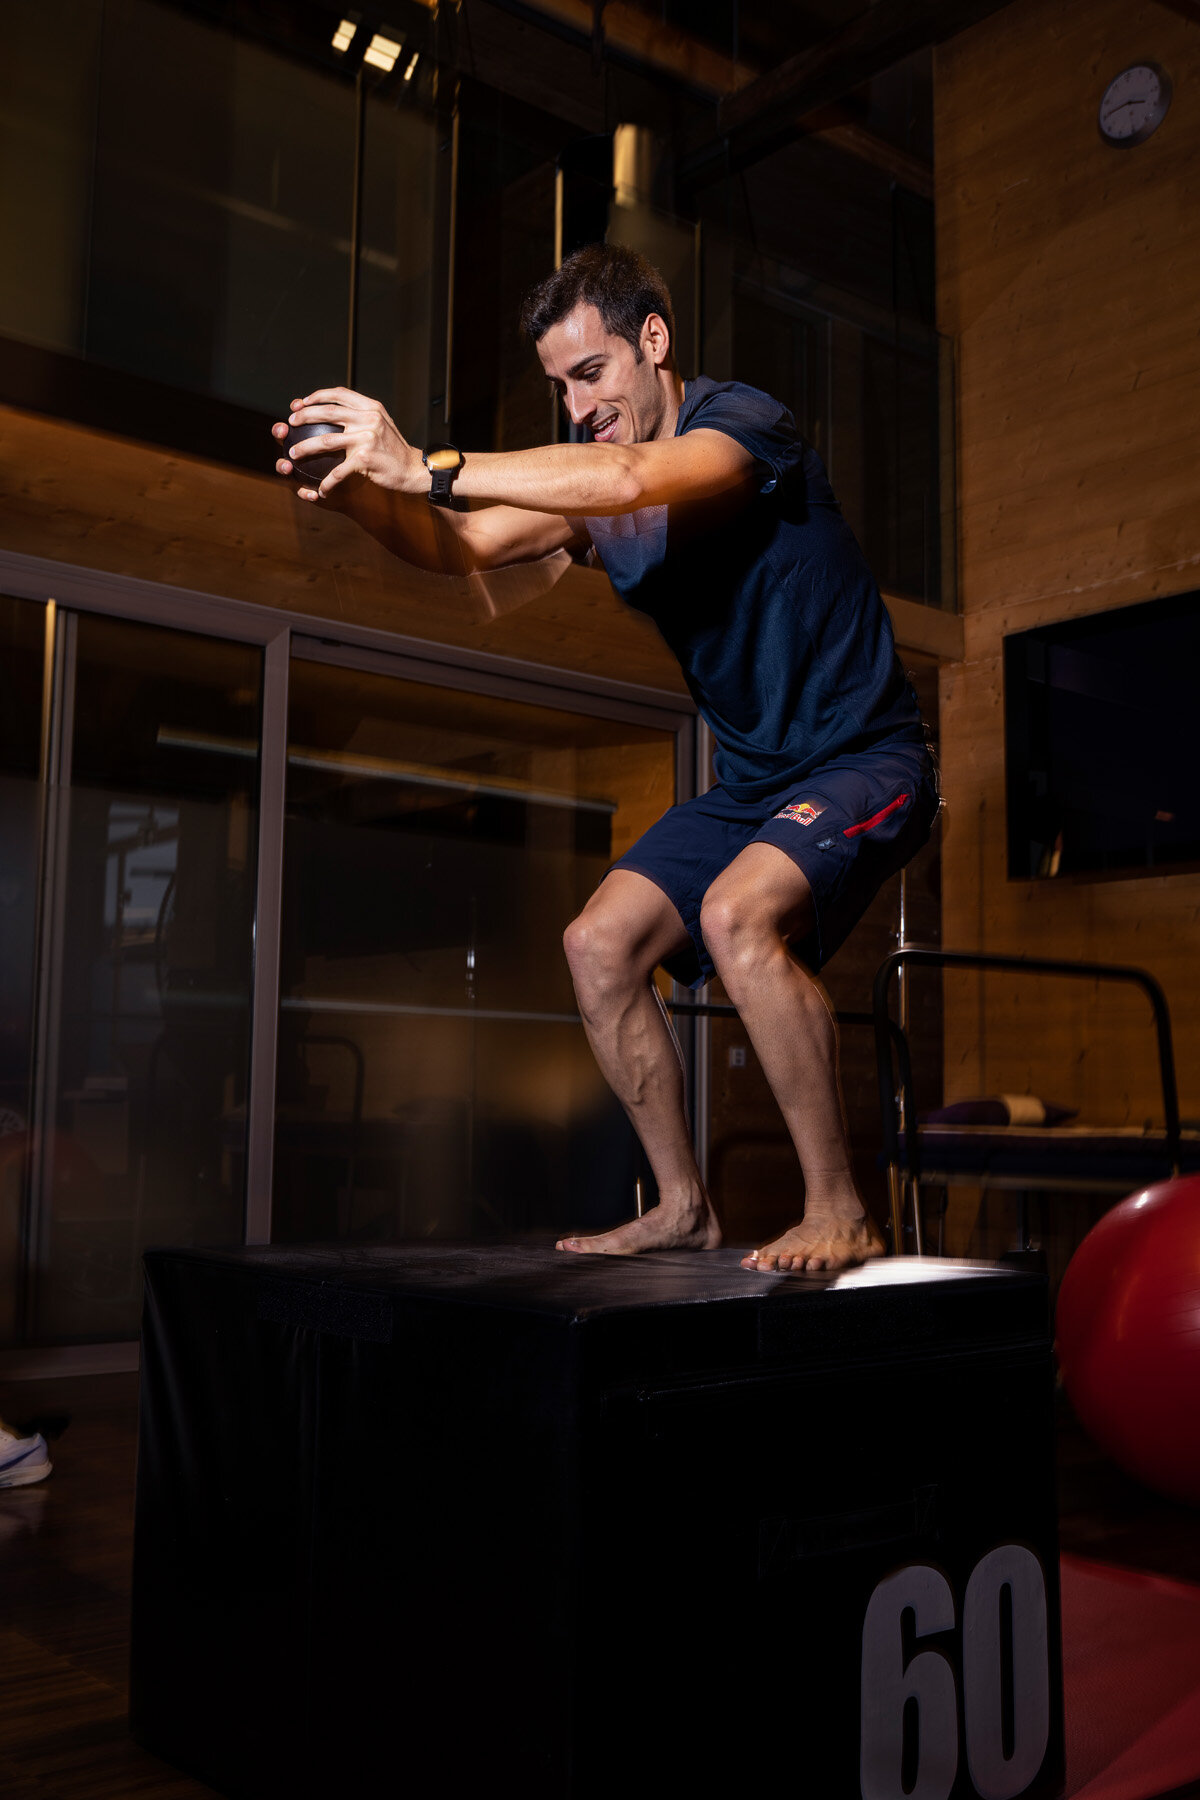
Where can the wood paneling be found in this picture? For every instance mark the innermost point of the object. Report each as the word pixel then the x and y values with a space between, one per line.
pixel 1069 278
pixel 78 496
pixel 101 502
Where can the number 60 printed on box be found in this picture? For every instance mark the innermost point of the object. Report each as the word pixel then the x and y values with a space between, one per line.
pixel 910 1708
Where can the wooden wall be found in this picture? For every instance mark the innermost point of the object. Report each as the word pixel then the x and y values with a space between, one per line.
pixel 82 497
pixel 1069 277
pixel 104 502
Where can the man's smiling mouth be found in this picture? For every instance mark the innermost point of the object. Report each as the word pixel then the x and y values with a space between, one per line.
pixel 602 432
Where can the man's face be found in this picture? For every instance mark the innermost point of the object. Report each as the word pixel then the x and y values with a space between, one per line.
pixel 601 381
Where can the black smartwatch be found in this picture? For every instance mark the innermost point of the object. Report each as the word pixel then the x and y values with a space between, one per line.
pixel 443 462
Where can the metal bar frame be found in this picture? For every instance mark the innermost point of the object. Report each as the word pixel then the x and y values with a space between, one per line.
pixel 356 226
pixel 268 909
pixel 441 666
pixel 216 615
pixel 696 1037
pixel 58 694
pixel 888 1035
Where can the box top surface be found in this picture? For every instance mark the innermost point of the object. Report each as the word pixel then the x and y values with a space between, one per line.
pixel 536 1277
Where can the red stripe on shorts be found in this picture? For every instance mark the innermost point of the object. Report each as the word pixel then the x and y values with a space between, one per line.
pixel 877 819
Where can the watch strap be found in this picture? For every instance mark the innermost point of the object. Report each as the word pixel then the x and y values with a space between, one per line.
pixel 442 472
pixel 441 491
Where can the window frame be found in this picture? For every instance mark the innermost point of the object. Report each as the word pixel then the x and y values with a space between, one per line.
pixel 70 589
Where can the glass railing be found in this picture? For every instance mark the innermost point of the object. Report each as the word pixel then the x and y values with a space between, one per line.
pixel 199 207
pixel 126 961
pixel 433 1078
pixel 240 216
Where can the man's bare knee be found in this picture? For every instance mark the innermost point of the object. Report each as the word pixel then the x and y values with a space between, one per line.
pixel 587 943
pixel 740 933
pixel 626 929
pixel 601 958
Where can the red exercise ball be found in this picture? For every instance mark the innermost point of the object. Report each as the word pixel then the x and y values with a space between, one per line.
pixel 1128 1330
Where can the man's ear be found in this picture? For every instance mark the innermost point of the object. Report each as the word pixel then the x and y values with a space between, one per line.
pixel 656 339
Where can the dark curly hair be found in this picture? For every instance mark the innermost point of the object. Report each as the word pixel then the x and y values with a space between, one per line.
pixel 623 287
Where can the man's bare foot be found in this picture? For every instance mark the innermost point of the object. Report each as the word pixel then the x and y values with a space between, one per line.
pixel 824 1239
pixel 662 1228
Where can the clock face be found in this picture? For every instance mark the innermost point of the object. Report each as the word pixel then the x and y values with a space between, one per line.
pixel 1134 105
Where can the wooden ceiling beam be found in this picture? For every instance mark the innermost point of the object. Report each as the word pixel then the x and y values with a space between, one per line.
pixel 762 116
pixel 646 40
pixel 832 126
pixel 634 34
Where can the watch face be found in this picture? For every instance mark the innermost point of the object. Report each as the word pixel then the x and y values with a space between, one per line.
pixel 1134 104
pixel 443 456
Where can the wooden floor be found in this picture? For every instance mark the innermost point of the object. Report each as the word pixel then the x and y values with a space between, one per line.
pixel 1107 1516
pixel 65 1551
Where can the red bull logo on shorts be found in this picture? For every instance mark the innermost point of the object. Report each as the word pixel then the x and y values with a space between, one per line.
pixel 801 812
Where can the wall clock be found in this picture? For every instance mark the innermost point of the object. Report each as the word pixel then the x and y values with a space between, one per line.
pixel 1135 104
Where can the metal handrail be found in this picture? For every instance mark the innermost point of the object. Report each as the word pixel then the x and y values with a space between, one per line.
pixel 886 1033
pixel 707 1009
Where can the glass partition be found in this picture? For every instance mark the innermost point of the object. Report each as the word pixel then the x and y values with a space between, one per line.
pixel 671 244
pixel 434 1080
pixel 869 404
pixel 182 195
pixel 49 87
pixel 147 924
pixel 505 226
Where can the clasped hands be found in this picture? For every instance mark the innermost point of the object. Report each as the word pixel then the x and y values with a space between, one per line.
pixel 370 445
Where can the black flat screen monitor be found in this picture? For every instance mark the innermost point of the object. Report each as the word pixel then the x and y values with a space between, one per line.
pixel 1103 765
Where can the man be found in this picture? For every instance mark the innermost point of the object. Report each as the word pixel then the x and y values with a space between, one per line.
pixel 711 514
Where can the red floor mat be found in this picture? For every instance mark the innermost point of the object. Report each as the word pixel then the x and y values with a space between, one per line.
pixel 1131 1653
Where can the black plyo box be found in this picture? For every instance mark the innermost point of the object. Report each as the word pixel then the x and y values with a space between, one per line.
pixel 434 1521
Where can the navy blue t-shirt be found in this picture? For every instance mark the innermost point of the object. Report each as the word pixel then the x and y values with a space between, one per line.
pixel 769 605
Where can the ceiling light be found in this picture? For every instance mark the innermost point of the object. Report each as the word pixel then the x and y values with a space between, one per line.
pixel 408 73
pixel 382 52
pixel 343 37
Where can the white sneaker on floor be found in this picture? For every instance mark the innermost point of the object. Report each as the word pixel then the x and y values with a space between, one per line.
pixel 22 1459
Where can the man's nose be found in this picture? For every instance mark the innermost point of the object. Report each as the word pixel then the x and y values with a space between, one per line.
pixel 580 405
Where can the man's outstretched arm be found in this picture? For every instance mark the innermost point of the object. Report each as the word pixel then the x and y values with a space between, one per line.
pixel 526 496
pixel 429 537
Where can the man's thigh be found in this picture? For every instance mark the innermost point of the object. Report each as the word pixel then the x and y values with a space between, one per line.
pixel 847 831
pixel 764 887
pixel 680 856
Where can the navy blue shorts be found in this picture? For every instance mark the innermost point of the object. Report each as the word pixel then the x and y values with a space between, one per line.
pixel 848 826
